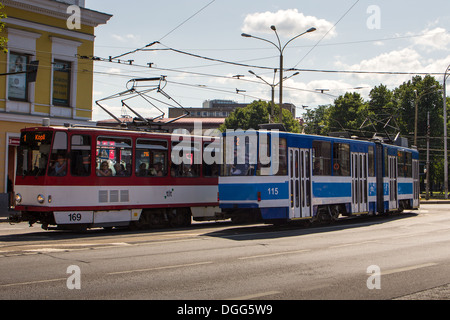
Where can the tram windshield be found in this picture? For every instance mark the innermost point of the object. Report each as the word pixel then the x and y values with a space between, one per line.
pixel 34 152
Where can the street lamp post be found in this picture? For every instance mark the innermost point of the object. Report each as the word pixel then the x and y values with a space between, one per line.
pixel 416 106
pixel 272 86
pixel 281 50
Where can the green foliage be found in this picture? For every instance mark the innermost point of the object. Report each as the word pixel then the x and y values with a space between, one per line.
pixel 388 112
pixel 3 40
pixel 256 113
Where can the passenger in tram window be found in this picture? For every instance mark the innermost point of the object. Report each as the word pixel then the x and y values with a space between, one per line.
pixel 142 172
pixel 173 172
pixel 104 170
pixel 187 171
pixel 158 169
pixel 120 170
pixel 60 167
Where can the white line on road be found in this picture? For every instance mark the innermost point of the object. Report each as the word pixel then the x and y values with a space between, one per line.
pixel 352 244
pixel 273 254
pixel 31 282
pixel 256 295
pixel 420 266
pixel 161 268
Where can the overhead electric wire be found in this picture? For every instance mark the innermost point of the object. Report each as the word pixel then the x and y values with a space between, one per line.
pixel 334 26
pixel 187 19
pixel 154 42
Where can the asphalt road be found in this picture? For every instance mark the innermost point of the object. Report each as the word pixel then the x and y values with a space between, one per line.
pixel 403 256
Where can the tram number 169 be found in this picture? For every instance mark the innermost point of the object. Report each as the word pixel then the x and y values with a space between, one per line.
pixel 68 217
pixel 74 217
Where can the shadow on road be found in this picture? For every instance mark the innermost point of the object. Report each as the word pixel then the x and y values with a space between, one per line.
pixel 225 229
pixel 260 232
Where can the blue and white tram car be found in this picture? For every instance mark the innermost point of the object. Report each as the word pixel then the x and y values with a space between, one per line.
pixel 285 176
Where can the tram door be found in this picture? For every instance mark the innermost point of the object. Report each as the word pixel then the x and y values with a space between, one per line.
pixel 393 190
pixel 300 183
pixel 359 182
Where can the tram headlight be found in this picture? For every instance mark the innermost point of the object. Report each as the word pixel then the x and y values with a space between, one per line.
pixel 18 198
pixel 40 199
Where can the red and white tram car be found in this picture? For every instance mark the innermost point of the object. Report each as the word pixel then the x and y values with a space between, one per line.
pixel 77 178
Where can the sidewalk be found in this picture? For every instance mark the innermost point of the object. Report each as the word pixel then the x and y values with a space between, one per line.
pixel 435 201
pixel 4 215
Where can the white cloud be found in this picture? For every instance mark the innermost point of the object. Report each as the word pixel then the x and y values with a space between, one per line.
pixel 288 23
pixel 128 38
pixel 113 71
pixel 435 39
pixel 404 60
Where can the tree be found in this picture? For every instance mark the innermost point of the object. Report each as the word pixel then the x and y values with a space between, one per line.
pixel 347 113
pixel 314 120
pixel 256 113
pixel 3 40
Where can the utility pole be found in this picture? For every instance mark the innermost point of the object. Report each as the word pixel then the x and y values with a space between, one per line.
pixel 445 137
pixel 427 187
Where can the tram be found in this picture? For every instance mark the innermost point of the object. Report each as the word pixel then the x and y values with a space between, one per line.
pixel 85 177
pixel 280 177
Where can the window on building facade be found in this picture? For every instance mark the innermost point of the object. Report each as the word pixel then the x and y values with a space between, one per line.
pixel 17 83
pixel 61 83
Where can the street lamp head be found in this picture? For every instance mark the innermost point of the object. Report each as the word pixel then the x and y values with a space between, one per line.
pixel 273 28
pixel 246 35
pixel 311 29
pixel 250 71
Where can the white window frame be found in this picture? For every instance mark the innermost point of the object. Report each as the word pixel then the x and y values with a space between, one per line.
pixel 65 50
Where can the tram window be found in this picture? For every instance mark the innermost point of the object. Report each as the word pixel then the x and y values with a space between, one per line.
pixel 321 158
pixel 151 158
pixel 282 166
pixel 80 155
pixel 386 163
pixel 33 153
pixel 276 166
pixel 242 162
pixel 188 166
pixel 210 168
pixel 114 156
pixel 341 159
pixel 401 163
pixel 371 162
pixel 408 164
pixel 58 156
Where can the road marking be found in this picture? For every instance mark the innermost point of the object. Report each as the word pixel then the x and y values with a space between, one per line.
pixel 47 250
pixel 161 268
pixel 420 266
pixel 352 244
pixel 256 295
pixel 31 282
pixel 273 254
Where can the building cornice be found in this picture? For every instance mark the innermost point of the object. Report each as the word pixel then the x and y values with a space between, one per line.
pixel 58 10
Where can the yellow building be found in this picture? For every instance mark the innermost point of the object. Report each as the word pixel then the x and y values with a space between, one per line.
pixel 55 33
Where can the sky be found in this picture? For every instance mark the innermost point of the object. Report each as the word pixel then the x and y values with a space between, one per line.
pixel 376 36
